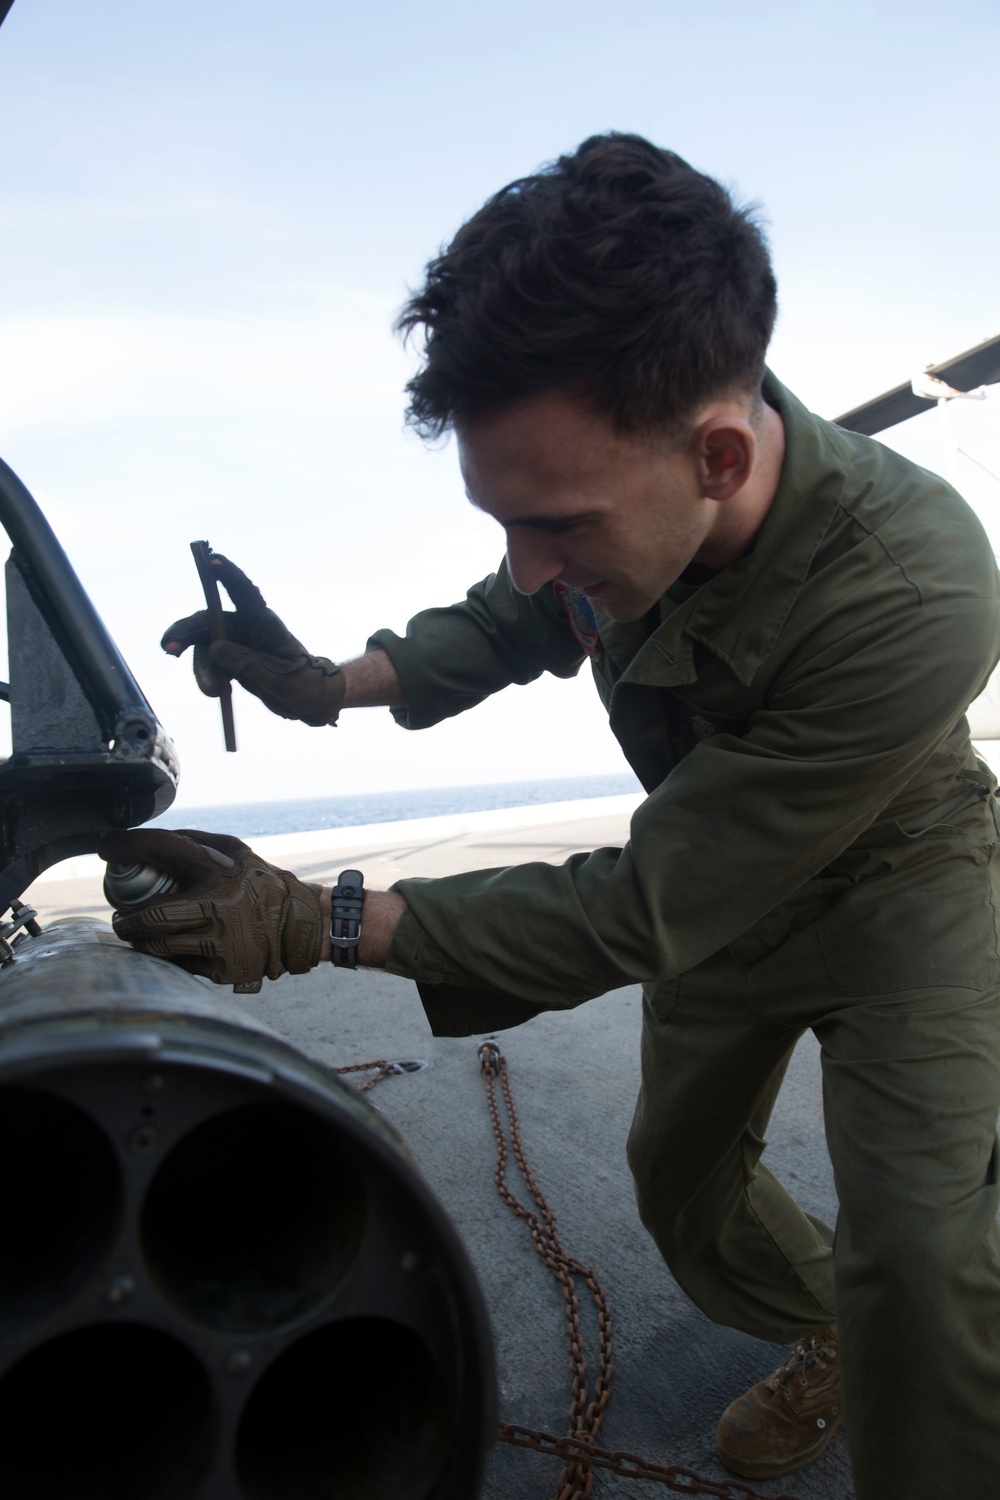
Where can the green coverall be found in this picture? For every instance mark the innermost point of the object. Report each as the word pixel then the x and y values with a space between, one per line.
pixel 815 851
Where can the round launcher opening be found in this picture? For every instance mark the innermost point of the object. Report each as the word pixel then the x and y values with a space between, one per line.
pixel 356 1409
pixel 106 1411
pixel 254 1218
pixel 61 1193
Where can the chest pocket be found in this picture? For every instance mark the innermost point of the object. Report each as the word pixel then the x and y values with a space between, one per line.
pixel 656 727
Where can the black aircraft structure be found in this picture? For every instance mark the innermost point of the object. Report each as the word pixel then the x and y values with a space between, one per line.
pixel 979 366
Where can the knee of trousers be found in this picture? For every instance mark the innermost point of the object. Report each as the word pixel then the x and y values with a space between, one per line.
pixel 658 1197
pixel 679 1187
pixel 710 1265
pixel 682 1220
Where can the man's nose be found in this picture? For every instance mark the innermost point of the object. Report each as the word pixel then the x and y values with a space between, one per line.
pixel 533 560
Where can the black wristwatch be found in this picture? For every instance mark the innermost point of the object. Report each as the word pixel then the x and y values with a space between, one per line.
pixel 345 919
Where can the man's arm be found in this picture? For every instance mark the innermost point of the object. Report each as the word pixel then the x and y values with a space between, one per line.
pixel 371 681
pixel 449 659
pixel 866 690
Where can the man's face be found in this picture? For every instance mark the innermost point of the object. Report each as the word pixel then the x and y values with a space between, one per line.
pixel 616 517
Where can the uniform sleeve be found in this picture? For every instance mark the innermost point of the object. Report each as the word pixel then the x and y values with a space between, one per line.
pixel 870 686
pixel 452 658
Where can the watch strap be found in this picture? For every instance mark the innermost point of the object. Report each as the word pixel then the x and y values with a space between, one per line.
pixel 345 919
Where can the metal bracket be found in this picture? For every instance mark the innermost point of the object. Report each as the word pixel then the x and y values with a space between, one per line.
pixel 22 923
pixel 88 753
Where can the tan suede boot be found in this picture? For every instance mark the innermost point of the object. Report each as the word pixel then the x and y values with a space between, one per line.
pixel 787 1420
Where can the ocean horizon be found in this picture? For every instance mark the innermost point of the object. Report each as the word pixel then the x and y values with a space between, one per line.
pixel 247 820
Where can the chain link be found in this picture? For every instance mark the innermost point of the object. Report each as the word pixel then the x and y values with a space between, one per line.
pixel 629 1465
pixel 382 1068
pixel 586 1411
pixel 579 1452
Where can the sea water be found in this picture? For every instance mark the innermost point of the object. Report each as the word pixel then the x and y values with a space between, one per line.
pixel 247 820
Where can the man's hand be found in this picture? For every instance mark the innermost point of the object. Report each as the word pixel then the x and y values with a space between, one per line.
pixel 260 652
pixel 234 918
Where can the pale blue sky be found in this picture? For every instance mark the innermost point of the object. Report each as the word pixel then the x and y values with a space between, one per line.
pixel 209 213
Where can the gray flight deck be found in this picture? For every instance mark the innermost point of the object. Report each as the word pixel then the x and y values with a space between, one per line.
pixel 574 1077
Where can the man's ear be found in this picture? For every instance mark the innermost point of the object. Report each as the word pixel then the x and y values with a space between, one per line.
pixel 725 450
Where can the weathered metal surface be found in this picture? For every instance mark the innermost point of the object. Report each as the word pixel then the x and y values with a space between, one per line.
pixel 221 1277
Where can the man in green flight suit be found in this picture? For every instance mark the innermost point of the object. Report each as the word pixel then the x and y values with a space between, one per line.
pixel 786 623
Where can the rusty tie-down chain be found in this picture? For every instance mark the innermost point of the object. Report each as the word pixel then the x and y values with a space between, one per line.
pixel 382 1069
pixel 629 1465
pixel 578 1451
pixel 586 1412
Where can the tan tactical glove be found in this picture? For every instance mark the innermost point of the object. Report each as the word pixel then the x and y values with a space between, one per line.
pixel 260 652
pixel 234 918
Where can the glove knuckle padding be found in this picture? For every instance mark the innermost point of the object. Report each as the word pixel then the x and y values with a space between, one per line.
pixel 290 683
pixel 224 843
pixel 238 924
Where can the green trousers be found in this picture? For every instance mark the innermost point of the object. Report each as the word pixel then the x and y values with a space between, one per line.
pixel 891 960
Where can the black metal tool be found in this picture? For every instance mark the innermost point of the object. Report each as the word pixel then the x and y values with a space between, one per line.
pixel 202 554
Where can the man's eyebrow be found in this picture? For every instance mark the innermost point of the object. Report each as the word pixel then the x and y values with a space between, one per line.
pixel 543 523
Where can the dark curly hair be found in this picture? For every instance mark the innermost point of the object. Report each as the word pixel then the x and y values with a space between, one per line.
pixel 617 273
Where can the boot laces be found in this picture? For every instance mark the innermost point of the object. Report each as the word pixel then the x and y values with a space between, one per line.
pixel 812 1358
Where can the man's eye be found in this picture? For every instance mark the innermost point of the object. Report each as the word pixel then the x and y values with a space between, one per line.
pixel 549 526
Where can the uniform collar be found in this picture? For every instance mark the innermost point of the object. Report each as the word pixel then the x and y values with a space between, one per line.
pixel 739 613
